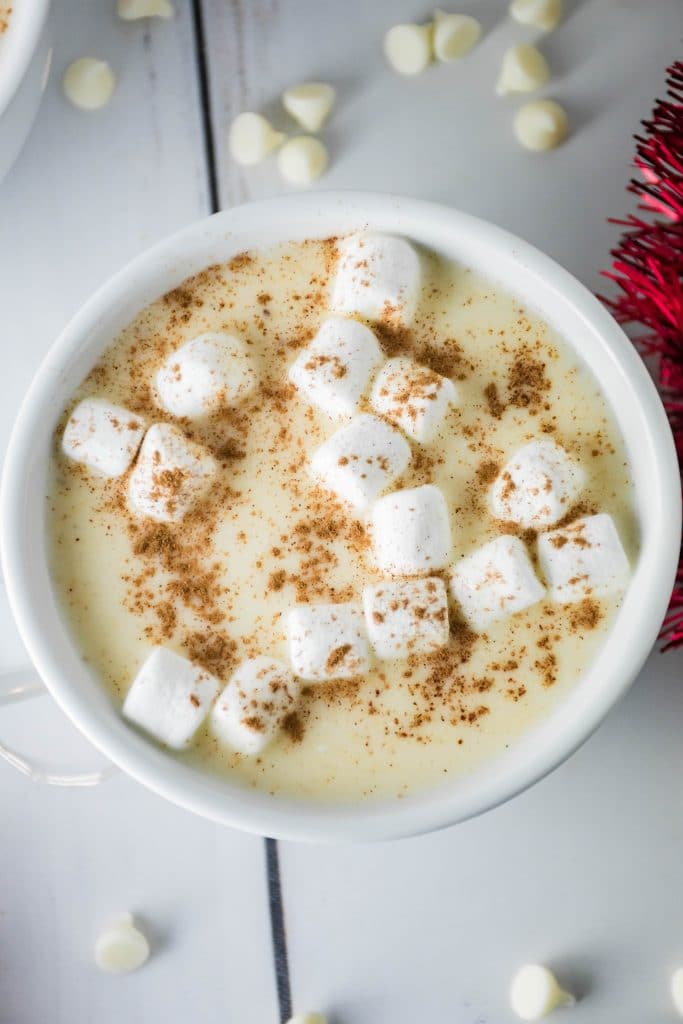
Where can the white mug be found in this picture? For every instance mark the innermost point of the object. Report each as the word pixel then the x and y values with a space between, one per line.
pixel 543 286
pixel 25 57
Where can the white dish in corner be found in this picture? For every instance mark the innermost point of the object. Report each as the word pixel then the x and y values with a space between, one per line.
pixel 24 67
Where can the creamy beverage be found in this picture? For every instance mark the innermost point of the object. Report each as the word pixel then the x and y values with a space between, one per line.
pixel 5 14
pixel 352 517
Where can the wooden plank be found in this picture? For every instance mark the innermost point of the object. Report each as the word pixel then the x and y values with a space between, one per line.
pixel 89 192
pixel 445 135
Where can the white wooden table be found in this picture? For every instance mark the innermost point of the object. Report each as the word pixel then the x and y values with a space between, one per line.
pixel 584 871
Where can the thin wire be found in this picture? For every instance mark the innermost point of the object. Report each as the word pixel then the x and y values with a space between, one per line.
pixel 37 774
pixel 25 685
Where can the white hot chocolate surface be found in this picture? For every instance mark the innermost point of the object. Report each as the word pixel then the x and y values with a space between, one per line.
pixel 216 585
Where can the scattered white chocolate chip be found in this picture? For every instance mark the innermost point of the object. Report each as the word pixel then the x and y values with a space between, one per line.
pixel 121 947
pixel 535 993
pixel 454 35
pixel 252 138
pixel 302 159
pixel 88 83
pixel 308 1018
pixel 541 14
pixel 408 48
pixel 677 990
pixel 309 103
pixel 524 69
pixel 541 124
pixel 131 10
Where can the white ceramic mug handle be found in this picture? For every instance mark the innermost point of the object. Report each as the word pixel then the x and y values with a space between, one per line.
pixel 23 685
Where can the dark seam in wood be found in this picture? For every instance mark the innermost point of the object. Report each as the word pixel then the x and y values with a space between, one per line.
pixel 205 104
pixel 278 932
pixel 275 905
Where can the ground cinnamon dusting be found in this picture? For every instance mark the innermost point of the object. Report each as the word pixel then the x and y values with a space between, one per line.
pixel 293 726
pixel 585 615
pixel 487 471
pixel 527 381
pixel 178 580
pixel 495 406
pixel 213 650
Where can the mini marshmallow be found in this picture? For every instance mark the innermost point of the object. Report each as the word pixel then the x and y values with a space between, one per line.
pixel 411 531
pixel 88 83
pixel 541 125
pixel 210 371
pixel 495 581
pixel 252 706
pixel 541 14
pixel 131 10
pixel 309 103
pixel 584 559
pixel 104 437
pixel 413 397
pixel 360 460
pixel 524 69
pixel 121 947
pixel 535 993
pixel 170 698
pixel 378 277
pixel 406 617
pixel 327 641
pixel 454 35
pixel 302 159
pixel 536 486
pixel 408 48
pixel 171 474
pixel 334 371
pixel 252 138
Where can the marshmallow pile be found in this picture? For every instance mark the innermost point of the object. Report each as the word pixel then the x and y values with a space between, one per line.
pixel 583 560
pixel 343 372
pixel 535 489
pixel 170 473
pixel 378 278
pixel 171 697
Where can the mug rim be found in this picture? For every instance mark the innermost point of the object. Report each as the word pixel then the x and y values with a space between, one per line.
pixel 432 807
pixel 21 46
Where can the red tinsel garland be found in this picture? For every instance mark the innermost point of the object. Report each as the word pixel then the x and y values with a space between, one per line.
pixel 648 268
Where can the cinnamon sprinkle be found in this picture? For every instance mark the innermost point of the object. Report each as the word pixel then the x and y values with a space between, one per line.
pixel 178 581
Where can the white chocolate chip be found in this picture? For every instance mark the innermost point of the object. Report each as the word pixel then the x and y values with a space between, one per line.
pixel 541 124
pixel 88 83
pixel 309 103
pixel 408 48
pixel 454 35
pixel 524 69
pixel 541 14
pixel 308 1018
pixel 677 990
pixel 131 10
pixel 535 993
pixel 252 138
pixel 121 947
pixel 302 159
